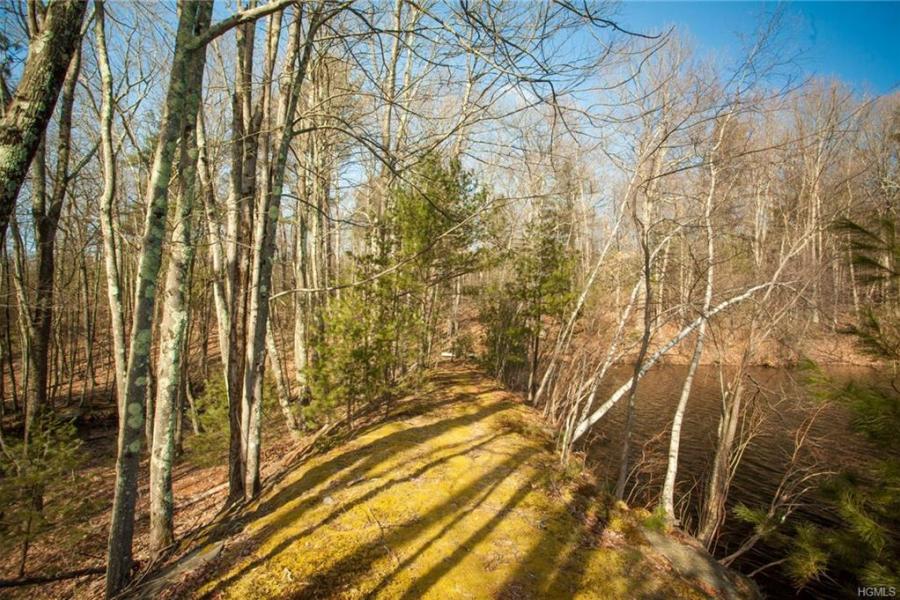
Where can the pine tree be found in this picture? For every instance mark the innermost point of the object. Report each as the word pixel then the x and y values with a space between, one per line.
pixel 866 544
pixel 537 295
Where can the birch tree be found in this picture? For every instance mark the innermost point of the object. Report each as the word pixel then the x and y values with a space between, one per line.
pixel 715 159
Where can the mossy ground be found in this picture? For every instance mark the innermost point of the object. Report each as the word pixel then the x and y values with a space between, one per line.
pixel 458 496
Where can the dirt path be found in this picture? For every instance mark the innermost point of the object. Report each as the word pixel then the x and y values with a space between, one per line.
pixel 457 495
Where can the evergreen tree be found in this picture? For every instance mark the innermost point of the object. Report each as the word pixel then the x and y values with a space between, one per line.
pixel 866 544
pixel 36 486
pixel 538 294
pixel 380 330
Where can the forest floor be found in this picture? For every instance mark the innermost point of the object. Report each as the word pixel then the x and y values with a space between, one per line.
pixel 76 540
pixel 456 493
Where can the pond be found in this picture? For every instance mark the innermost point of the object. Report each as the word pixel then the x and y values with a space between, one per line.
pixel 781 402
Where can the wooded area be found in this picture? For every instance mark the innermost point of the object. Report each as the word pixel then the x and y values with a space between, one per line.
pixel 222 221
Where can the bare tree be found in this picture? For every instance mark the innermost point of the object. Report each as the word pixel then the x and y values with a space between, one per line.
pixel 46 211
pixel 174 333
pixel 182 103
pixel 107 223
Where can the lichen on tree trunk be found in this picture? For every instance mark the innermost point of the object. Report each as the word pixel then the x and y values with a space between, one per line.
pixel 182 99
pixel 25 118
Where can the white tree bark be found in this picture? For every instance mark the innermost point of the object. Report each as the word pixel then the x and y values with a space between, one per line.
pixel 598 414
pixel 668 491
pixel 169 371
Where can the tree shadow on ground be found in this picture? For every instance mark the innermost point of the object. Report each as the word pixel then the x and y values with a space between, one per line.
pixel 453 497
pixel 423 584
pixel 459 532
pixel 355 466
pixel 342 574
pixel 292 515
pixel 554 566
pixel 362 458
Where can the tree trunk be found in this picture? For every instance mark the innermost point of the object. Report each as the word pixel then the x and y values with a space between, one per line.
pixel 268 210
pixel 182 101
pixel 174 326
pixel 110 256
pixel 720 477
pixel 638 367
pixel 301 302
pixel 668 491
pixel 239 225
pixel 600 411
pixel 46 222
pixel 25 118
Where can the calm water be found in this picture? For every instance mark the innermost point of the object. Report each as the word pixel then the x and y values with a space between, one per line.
pixel 779 396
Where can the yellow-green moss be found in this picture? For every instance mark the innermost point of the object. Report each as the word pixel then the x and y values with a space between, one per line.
pixel 450 501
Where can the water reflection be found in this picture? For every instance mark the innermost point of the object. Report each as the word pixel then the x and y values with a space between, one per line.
pixel 778 403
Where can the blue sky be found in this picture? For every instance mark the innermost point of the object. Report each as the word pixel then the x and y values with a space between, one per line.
pixel 858 42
